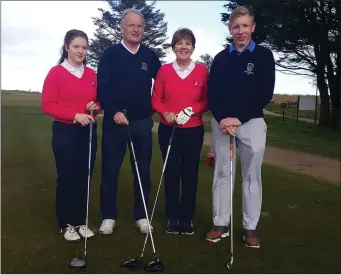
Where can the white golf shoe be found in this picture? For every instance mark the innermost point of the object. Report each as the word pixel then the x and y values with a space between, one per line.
pixel 107 227
pixel 82 231
pixel 142 224
pixel 70 234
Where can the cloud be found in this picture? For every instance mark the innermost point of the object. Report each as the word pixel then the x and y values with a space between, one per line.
pixel 32 35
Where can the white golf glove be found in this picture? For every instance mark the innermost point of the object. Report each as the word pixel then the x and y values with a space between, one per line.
pixel 184 115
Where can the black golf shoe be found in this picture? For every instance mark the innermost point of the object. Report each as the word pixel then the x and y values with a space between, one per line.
pixel 172 227
pixel 186 228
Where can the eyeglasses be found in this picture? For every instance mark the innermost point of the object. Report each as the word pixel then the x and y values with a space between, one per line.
pixel 133 26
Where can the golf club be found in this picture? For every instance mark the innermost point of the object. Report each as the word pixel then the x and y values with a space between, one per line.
pixel 81 261
pixel 137 263
pixel 230 264
pixel 156 265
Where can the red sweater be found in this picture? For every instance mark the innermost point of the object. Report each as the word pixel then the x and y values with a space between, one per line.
pixel 171 93
pixel 64 95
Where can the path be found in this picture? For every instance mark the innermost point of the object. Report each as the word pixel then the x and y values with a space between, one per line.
pixel 304 163
pixel 266 112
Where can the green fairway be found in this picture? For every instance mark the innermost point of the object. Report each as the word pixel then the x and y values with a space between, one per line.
pixel 299 227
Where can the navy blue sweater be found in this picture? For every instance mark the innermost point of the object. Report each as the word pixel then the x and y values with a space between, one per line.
pixel 125 81
pixel 241 85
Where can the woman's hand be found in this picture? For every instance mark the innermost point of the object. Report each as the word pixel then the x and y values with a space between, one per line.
pixel 83 119
pixel 91 106
pixel 169 117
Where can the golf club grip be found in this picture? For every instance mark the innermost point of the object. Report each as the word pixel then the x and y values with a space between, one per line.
pixel 125 113
pixel 231 146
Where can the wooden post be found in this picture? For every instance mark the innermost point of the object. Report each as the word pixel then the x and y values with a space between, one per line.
pixel 298 108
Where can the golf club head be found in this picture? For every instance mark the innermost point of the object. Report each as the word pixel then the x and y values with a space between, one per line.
pixel 133 264
pixel 229 267
pixel 78 262
pixel 154 266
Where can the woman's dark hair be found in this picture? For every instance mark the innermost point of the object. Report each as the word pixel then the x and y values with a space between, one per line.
pixel 183 33
pixel 69 36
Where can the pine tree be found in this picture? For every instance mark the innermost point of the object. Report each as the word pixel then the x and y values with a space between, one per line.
pixel 206 59
pixel 108 28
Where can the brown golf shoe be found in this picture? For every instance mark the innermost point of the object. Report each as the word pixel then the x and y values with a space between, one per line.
pixel 250 238
pixel 216 233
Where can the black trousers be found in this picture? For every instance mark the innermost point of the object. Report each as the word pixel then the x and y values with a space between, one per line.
pixel 114 145
pixel 70 144
pixel 183 164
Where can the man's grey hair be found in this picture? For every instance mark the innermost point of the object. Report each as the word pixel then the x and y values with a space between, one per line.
pixel 136 11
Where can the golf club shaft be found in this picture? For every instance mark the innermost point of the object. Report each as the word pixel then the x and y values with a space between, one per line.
pixel 88 190
pixel 158 189
pixel 139 180
pixel 232 141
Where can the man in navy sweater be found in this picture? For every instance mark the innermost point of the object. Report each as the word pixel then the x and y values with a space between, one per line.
pixel 125 74
pixel 241 84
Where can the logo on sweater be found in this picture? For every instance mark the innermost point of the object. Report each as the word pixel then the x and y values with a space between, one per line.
pixel 196 83
pixel 93 83
pixel 144 66
pixel 249 68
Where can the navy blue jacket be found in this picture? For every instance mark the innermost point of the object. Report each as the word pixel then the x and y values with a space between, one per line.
pixel 240 85
pixel 125 81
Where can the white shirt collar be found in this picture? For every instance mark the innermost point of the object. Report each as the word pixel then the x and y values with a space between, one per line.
pixel 189 68
pixel 128 48
pixel 70 68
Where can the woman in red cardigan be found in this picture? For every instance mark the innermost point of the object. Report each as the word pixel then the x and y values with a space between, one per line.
pixel 68 96
pixel 179 96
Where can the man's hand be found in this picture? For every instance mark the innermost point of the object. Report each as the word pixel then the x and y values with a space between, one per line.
pixel 229 125
pixel 91 106
pixel 169 117
pixel 230 130
pixel 229 121
pixel 184 115
pixel 120 118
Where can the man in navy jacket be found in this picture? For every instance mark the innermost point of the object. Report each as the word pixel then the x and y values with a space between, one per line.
pixel 125 74
pixel 241 84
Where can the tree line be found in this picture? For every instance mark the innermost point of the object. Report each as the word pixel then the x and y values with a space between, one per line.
pixel 304 34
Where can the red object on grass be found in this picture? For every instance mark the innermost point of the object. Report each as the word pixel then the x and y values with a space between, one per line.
pixel 209 160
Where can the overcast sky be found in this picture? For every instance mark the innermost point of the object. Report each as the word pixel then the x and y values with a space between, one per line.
pixel 32 34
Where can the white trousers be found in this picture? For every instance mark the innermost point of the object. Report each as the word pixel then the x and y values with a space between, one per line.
pixel 251 140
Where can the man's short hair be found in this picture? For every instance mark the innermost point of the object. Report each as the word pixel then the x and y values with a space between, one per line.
pixel 183 33
pixel 240 11
pixel 136 11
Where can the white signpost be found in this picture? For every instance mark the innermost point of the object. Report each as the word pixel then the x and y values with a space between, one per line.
pixel 307 103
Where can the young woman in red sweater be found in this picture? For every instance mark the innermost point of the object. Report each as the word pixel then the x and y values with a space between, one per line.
pixel 68 96
pixel 179 96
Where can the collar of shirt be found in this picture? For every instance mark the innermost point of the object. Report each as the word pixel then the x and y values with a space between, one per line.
pixel 250 47
pixel 128 49
pixel 189 68
pixel 70 68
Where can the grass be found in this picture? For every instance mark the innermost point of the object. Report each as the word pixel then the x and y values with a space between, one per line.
pixel 292 111
pixel 299 226
pixel 301 137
